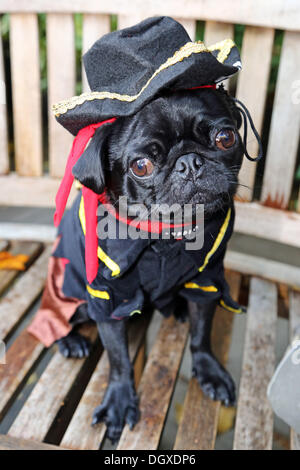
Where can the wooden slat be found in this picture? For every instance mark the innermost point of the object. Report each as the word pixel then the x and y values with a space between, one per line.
pixel 30 232
pixel 294 301
pixel 26 248
pixel 24 292
pixel 198 426
pixel 265 222
pixel 93 27
pixel 37 192
pixel 252 91
pixel 295 440
pixel 216 31
pixel 47 398
pixel 254 421
pixel 189 25
pixel 156 387
pixel 61 84
pixel 80 434
pixel 4 245
pixel 283 14
pixel 12 443
pixel 20 359
pixel 25 70
pixel 285 126
pixel 4 162
pixel 125 21
pixel 267 268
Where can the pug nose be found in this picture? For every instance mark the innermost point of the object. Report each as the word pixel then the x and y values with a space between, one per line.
pixel 191 162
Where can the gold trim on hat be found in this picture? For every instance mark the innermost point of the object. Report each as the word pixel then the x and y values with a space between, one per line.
pixel 185 51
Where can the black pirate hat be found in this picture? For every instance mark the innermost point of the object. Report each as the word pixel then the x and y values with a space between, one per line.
pixel 127 68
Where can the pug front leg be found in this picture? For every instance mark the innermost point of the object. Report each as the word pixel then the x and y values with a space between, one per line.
pixel 214 380
pixel 120 402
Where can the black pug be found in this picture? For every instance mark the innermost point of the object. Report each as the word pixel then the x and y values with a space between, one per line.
pixel 183 147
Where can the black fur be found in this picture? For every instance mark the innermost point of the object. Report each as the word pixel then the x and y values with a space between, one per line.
pixel 89 169
pixel 172 125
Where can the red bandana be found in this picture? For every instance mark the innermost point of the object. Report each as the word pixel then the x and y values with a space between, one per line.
pixel 90 199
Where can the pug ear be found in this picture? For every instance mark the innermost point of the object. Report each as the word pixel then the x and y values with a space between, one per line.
pixel 89 169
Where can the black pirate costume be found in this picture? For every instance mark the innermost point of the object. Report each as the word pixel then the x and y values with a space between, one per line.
pixel 115 277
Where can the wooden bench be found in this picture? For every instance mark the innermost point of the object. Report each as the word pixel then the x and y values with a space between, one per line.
pixel 46 402
pixel 59 408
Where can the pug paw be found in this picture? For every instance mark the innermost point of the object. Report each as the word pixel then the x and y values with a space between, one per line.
pixel 119 407
pixel 214 380
pixel 74 345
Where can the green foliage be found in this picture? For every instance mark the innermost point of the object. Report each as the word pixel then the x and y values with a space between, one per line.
pixel 275 60
pixel 200 25
pixel 4 26
pixel 239 30
pixel 43 51
pixel 113 22
pixel 78 51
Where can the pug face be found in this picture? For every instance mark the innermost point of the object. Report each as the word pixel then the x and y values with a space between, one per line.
pixel 183 147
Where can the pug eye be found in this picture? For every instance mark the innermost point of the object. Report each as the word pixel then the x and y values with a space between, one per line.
pixel 142 167
pixel 225 139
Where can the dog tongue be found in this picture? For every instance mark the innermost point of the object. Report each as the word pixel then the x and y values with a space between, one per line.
pixel 90 198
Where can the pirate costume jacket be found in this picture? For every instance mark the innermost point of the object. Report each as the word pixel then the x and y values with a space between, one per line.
pixel 118 277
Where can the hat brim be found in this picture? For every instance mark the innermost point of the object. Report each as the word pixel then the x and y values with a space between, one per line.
pixel 191 66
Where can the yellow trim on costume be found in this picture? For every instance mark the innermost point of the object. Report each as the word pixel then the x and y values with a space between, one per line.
pixel 114 267
pixel 185 51
pixel 134 311
pixel 193 285
pixel 78 185
pixel 231 309
pixel 100 294
pixel 218 240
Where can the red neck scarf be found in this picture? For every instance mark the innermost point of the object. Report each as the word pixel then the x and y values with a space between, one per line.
pixel 91 199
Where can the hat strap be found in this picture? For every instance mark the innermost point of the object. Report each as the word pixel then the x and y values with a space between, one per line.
pixel 90 198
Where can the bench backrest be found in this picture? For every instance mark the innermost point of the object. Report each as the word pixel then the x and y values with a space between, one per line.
pixel 34 180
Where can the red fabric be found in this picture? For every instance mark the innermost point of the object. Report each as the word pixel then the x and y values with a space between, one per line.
pixel 90 198
pixel 77 149
pixel 52 320
pixel 91 240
